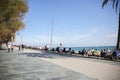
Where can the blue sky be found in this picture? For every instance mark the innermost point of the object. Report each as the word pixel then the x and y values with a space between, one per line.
pixel 76 23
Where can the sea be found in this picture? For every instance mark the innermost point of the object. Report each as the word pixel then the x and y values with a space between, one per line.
pixel 99 48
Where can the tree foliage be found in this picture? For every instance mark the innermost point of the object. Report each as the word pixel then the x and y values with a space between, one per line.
pixel 11 18
pixel 114 4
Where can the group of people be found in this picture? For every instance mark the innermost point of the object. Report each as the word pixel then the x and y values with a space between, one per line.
pixel 111 54
pixel 21 47
pixel 106 53
pixel 61 49
pixel 11 47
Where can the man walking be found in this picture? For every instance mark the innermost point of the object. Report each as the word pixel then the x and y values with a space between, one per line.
pixel 9 47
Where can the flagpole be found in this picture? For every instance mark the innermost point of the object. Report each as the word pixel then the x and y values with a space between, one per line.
pixel 51 33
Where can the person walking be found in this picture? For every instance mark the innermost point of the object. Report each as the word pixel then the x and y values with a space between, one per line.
pixel 61 48
pixel 9 47
pixel 12 47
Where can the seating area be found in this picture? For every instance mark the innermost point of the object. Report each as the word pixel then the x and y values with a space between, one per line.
pixel 104 54
pixel 91 53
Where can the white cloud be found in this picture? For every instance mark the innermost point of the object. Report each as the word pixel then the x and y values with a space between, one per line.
pixel 84 36
pixel 111 35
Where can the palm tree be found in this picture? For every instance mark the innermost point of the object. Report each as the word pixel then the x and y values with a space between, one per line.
pixel 115 3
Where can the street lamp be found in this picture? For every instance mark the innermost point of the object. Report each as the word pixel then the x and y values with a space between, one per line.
pixel 51 33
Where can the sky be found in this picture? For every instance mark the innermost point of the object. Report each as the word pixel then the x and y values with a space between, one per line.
pixel 76 23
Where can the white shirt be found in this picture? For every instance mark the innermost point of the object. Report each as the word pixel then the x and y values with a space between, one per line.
pixel 9 46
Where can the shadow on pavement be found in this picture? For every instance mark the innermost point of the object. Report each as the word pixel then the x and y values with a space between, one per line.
pixel 43 55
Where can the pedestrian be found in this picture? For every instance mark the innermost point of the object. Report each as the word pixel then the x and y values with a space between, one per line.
pixel 22 47
pixel 61 48
pixel 19 47
pixel 9 46
pixel 12 47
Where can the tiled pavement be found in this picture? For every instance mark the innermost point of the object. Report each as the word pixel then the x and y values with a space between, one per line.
pixel 17 66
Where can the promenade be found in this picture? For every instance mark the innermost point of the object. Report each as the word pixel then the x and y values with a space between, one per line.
pixel 36 65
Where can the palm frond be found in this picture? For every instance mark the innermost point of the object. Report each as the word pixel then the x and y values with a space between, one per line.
pixel 116 5
pixel 113 3
pixel 104 3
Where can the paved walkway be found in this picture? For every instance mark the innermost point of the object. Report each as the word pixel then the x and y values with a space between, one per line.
pixel 97 70
pixel 34 65
pixel 18 66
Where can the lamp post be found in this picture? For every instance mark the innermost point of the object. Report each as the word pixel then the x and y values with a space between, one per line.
pixel 51 33
pixel 12 40
pixel 21 40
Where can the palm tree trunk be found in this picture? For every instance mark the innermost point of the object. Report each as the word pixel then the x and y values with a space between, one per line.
pixel 118 38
